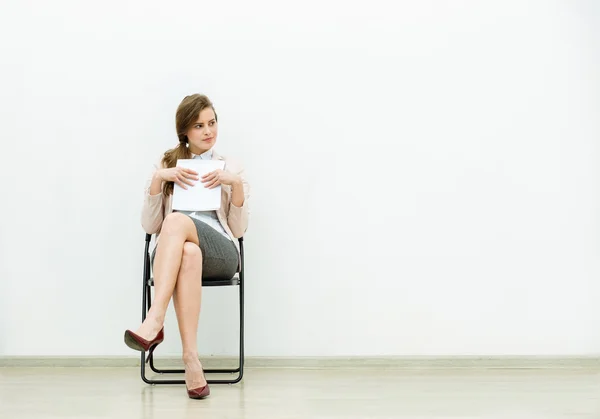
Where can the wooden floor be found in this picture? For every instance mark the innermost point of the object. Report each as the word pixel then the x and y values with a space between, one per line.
pixel 299 393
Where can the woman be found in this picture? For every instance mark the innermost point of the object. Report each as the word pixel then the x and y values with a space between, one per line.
pixel 192 245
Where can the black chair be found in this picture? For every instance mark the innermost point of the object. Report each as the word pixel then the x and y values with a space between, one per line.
pixel 237 280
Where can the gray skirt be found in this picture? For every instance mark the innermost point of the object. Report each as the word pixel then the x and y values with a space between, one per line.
pixel 220 258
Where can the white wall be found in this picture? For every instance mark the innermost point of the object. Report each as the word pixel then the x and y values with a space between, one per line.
pixel 424 173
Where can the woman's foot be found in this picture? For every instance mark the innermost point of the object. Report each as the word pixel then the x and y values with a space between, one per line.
pixel 195 382
pixel 150 328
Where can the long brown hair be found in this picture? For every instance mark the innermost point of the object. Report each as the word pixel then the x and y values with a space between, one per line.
pixel 187 114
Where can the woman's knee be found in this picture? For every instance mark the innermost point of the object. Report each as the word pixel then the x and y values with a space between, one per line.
pixel 191 257
pixel 175 223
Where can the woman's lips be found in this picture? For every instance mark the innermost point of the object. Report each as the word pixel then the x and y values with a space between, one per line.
pixel 207 139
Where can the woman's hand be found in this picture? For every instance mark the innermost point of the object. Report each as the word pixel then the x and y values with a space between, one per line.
pixel 219 177
pixel 179 175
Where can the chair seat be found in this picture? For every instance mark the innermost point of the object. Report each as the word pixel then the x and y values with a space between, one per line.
pixel 207 282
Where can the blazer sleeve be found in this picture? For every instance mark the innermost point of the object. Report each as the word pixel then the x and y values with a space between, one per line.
pixel 237 218
pixel 153 206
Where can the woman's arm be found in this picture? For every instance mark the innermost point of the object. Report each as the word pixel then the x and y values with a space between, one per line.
pixel 156 184
pixel 237 193
pixel 237 219
pixel 153 207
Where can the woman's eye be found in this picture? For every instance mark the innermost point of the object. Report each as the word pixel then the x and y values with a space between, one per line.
pixel 198 126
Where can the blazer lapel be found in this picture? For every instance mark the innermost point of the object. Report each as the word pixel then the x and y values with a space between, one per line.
pixel 216 156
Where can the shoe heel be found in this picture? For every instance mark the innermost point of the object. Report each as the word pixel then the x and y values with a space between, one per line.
pixel 150 351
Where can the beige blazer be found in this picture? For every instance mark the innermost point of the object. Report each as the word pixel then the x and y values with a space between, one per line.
pixel 233 219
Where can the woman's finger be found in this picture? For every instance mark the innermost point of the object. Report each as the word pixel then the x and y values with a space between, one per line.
pixel 189 175
pixel 190 171
pixel 215 184
pixel 212 184
pixel 185 180
pixel 177 181
pixel 184 172
pixel 210 177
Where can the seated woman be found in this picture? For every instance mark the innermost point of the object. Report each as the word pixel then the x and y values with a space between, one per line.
pixel 192 245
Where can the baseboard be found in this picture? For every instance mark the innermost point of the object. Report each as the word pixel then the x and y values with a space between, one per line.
pixel 466 362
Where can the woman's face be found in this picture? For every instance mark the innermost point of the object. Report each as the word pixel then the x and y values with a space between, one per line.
pixel 203 134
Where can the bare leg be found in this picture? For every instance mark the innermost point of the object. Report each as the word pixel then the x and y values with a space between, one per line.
pixel 187 299
pixel 176 230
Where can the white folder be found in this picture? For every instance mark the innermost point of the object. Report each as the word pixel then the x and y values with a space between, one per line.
pixel 198 197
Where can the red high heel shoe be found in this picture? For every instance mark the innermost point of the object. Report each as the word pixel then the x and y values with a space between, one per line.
pixel 200 392
pixel 140 344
